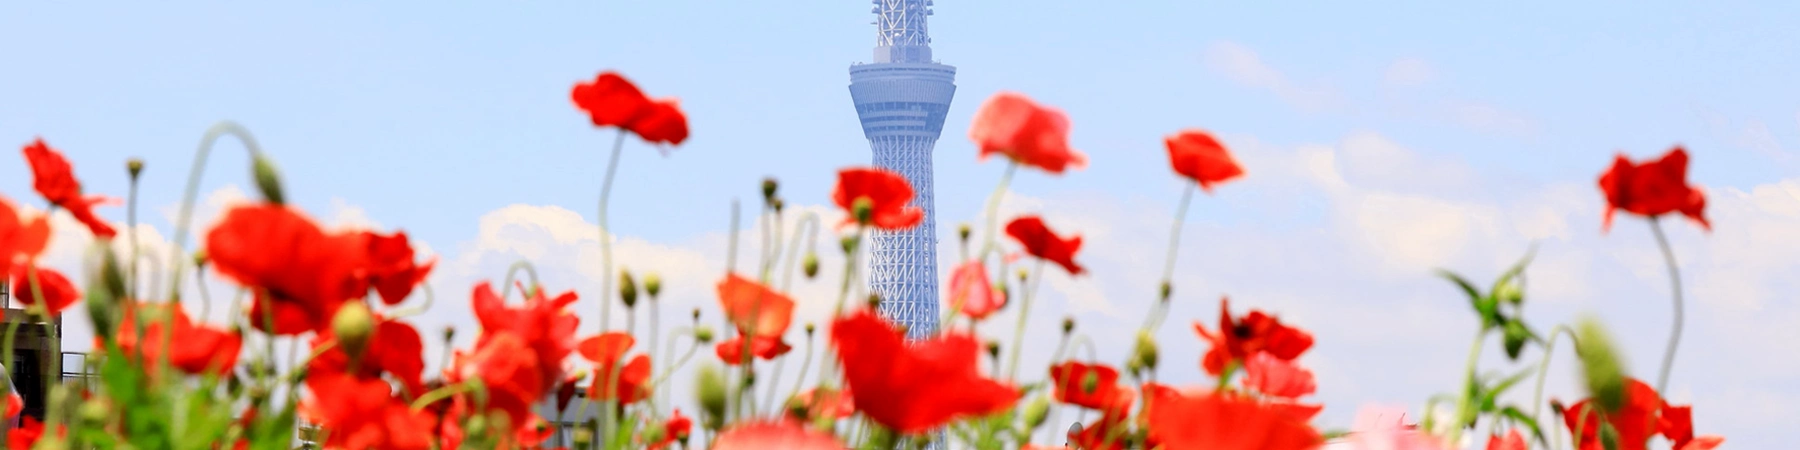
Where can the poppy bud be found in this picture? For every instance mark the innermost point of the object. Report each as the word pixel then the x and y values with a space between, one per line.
pixel 796 409
pixel 1165 290
pixel 848 243
pixel 1035 413
pixel 1509 292
pixel 703 333
pixel 94 411
pixel 268 180
pixel 1600 366
pixel 993 350
pixel 962 232
pixel 200 259
pixel 353 324
pixel 449 335
pixel 1023 276
pixel 809 329
pixel 652 284
pixel 1146 354
pixel 810 265
pixel 777 204
pixel 768 189
pixel 654 434
pixel 864 209
pixel 696 315
pixel 627 288
pixel 874 300
pixel 1516 335
pixel 749 380
pixel 583 438
pixel 1068 325
pixel 134 166
pixel 710 391
pixel 112 274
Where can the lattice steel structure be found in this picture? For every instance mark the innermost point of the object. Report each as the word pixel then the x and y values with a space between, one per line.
pixel 902 98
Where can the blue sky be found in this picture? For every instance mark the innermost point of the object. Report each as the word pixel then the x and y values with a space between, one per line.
pixel 442 120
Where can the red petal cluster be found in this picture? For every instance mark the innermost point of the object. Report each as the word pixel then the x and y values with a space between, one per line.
pixel 21 239
pixel 195 349
pixel 302 274
pixel 1644 415
pixel 888 194
pixel 1199 156
pixel 612 101
pixel 363 413
pixel 54 178
pixel 1039 241
pixel 754 308
pixel 1652 188
pixel 395 348
pixel 785 435
pixel 972 292
pixel 916 387
pixel 1238 339
pixel 1224 422
pixel 607 351
pixel 1030 134
pixel 32 284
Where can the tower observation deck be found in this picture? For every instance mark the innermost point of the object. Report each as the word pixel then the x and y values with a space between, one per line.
pixel 902 98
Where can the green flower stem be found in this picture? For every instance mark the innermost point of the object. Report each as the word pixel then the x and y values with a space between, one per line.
pixel 805 363
pixel 1160 309
pixel 530 271
pixel 185 218
pixel 131 228
pixel 606 272
pixel 1062 345
pixel 732 248
pixel 793 253
pixel 1462 401
pixel 441 393
pixel 1018 347
pixel 1537 395
pixel 990 240
pixel 1668 363
pixel 774 385
pixel 850 263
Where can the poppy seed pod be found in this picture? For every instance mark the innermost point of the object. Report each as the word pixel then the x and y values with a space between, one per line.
pixel 268 179
pixel 1165 290
pixel 353 325
pixel 768 189
pixel 849 244
pixel 962 232
pixel 1023 275
pixel 809 329
pixel 652 284
pixel 777 204
pixel 1146 353
pixel 993 349
pixel 627 289
pixel 696 314
pixel 810 265
pixel 134 167
pixel 200 259
pixel 864 210
pixel 874 300
pixel 1068 325
pixel 1600 366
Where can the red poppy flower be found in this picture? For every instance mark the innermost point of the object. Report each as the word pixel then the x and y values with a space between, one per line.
pixel 1039 241
pixel 612 101
pixel 755 309
pixel 21 240
pixel 57 292
pixel 28 433
pixel 363 413
pixel 731 351
pixel 911 388
pixel 606 347
pixel 821 402
pixel 299 273
pixel 1652 189
pixel 762 435
pixel 1708 442
pixel 54 178
pixel 14 404
pixel 633 381
pixel 972 292
pixel 888 194
pixel 565 393
pixel 511 372
pixel 1643 415
pixel 1011 124
pixel 676 429
pixel 1092 386
pixel 1511 441
pixel 1224 422
pixel 1277 378
pixel 1199 156
pixel 391 269
pixel 1257 332
pixel 543 323
pixel 197 349
pixel 394 347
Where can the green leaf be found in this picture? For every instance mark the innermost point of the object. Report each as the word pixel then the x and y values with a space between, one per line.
pixel 1334 434
pixel 1517 415
pixel 1518 267
pixel 1490 395
pixel 1468 288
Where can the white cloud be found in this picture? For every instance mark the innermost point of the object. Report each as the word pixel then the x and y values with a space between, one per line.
pixel 1244 66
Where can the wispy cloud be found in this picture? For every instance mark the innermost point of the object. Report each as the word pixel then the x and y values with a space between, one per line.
pixel 1244 66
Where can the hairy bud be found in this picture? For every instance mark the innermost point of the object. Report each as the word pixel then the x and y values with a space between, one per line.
pixel 627 288
pixel 703 333
pixel 962 232
pixel 1068 325
pixel 1600 366
pixel 1165 290
pixel 809 329
pixel 652 284
pixel 1146 353
pixel 353 325
pixel 848 243
pixel 864 209
pixel 710 390
pixel 1035 413
pixel 268 179
pixel 769 185
pixel 134 167
pixel 810 265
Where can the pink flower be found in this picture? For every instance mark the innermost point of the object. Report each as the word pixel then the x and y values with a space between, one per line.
pixel 1272 376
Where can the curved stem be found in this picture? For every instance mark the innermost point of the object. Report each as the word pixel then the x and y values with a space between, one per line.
pixel 423 307
pixel 185 218
pixel 1160 308
pixel 1537 394
pixel 1668 363
pixel 793 253
pixel 990 239
pixel 805 363
pixel 530 271
pixel 606 273
pixel 1018 347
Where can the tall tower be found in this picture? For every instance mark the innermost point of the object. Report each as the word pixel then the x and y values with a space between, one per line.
pixel 902 98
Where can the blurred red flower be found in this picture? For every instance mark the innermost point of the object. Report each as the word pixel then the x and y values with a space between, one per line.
pixel 298 273
pixel 1199 156
pixel 1237 340
pixel 511 373
pixel 675 429
pixel 1652 189
pixel 1275 377
pixel 196 349
pixel 732 351
pixel 1224 422
pixel 54 178
pixel 612 101
pixel 1030 134
pixel 972 292
pixel 394 347
pixel 755 309
pixel 1039 241
pixel 363 413
pixel 55 289
pixel 607 351
pixel 21 240
pixel 762 435
pixel 825 402
pixel 1645 414
pixel 543 324
pixel 889 195
pixel 1511 441
pixel 391 269
pixel 918 386
pixel 1093 386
